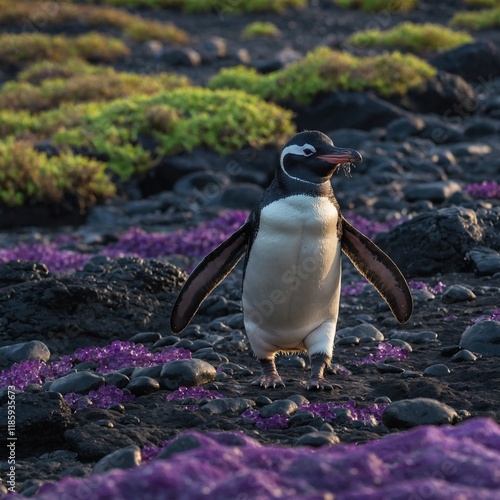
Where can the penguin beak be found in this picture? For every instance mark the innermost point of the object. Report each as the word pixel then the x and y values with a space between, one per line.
pixel 340 155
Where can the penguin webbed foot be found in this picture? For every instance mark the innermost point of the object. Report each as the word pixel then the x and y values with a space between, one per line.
pixel 320 384
pixel 319 363
pixel 270 376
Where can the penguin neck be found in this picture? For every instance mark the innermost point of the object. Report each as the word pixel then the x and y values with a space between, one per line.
pixel 293 185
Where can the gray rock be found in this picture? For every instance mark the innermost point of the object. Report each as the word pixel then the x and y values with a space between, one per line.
pixel 399 129
pixel 279 407
pixel 227 406
pixel 317 439
pixel 180 445
pixel 300 418
pixel 363 330
pixel 117 379
pixel 463 355
pixel 147 371
pixel 34 350
pixel 437 192
pixel 350 340
pixel 79 382
pixel 457 293
pixel 126 458
pixel 298 399
pixel 388 368
pixel 410 374
pixel 419 411
pixel 486 261
pixel 141 386
pixel 181 56
pixel 240 196
pixel 438 370
pixel 145 337
pixel 400 343
pixel 186 372
pixel 438 241
pixel 483 338
pixel 291 362
pixel 200 344
pixel 415 337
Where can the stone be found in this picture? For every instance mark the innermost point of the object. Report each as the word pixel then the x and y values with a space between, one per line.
pixel 439 241
pixel 476 62
pixel 145 337
pixel 79 382
pixel 298 399
pixel 437 192
pixel 346 341
pixel 486 261
pixel 419 411
pixel 279 407
pixel 147 371
pixel 388 368
pixel 399 129
pixel 438 370
pixel 239 196
pixel 125 458
pixel 415 337
pixel 41 419
pixel 301 417
pixel 117 379
pixel 457 293
pixel 317 439
pixel 186 372
pixel 140 386
pixel 400 343
pixel 483 338
pixel 33 349
pixel 16 272
pixel 463 355
pixel 362 331
pixel 181 56
pixel 179 445
pixel 227 406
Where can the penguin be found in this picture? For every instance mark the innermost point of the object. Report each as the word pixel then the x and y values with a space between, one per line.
pixel 292 242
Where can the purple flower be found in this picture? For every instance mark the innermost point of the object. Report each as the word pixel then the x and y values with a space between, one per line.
pixel 483 190
pixel 353 289
pixel 370 415
pixel 383 352
pixel 422 285
pixel 494 316
pixel 275 422
pixel 369 227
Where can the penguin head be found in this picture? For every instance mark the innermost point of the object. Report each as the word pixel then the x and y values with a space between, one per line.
pixel 312 157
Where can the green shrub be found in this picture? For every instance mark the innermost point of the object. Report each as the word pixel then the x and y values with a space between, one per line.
pixel 324 70
pixel 259 29
pixel 482 3
pixel 482 19
pixel 49 70
pixel 240 6
pixel 104 86
pixel 180 120
pixel 139 29
pixel 379 5
pixel 416 37
pixel 30 47
pixel 28 177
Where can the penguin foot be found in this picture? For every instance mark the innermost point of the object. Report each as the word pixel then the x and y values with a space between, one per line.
pixel 270 376
pixel 269 380
pixel 320 384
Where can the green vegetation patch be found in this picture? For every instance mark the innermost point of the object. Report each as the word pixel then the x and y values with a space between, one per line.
pixel 89 85
pixel 20 13
pixel 416 37
pixel 482 3
pixel 482 19
pixel 29 177
pixel 259 29
pixel 379 5
pixel 324 70
pixel 175 121
pixel 30 47
pixel 37 72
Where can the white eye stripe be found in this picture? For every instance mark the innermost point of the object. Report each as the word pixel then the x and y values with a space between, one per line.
pixel 297 150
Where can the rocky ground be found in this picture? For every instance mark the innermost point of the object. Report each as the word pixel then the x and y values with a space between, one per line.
pixel 101 382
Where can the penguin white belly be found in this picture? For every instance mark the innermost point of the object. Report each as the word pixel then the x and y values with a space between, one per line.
pixel 291 289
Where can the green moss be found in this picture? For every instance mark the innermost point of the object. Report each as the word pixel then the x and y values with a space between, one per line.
pixel 482 3
pixel 489 18
pixel 416 37
pixel 137 28
pixel 379 5
pixel 259 29
pixel 324 69
pixel 48 70
pixel 28 177
pixel 30 47
pixel 88 86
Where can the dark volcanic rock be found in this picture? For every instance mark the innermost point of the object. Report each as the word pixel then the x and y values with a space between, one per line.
pixel 41 419
pixel 483 338
pixel 439 241
pixel 476 62
pixel 419 411
pixel 25 350
pixel 79 382
pixel 16 272
pixel 126 458
pixel 187 372
pixel 107 299
pixel 350 109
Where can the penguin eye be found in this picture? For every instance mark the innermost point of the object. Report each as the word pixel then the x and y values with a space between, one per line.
pixel 308 152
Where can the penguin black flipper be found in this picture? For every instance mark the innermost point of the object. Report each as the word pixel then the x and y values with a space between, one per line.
pixel 379 270
pixel 207 275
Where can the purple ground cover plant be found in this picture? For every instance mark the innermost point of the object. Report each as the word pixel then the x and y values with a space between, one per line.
pixel 370 227
pixel 384 351
pixel 103 397
pixel 193 392
pixel 439 287
pixel 483 190
pixel 494 316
